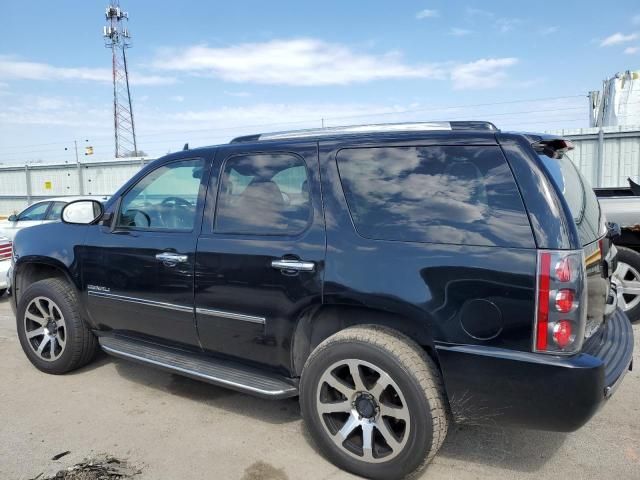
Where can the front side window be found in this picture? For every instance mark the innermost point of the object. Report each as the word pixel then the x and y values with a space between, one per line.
pixel 55 211
pixel 464 195
pixel 166 198
pixel 263 194
pixel 34 212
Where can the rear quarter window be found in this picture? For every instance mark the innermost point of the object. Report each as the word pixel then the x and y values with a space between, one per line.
pixel 579 195
pixel 463 195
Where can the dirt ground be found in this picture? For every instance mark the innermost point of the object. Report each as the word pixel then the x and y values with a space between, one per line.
pixel 172 427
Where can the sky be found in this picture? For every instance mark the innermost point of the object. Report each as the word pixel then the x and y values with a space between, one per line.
pixel 204 72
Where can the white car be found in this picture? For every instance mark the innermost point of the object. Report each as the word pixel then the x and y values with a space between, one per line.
pixel 6 248
pixel 44 211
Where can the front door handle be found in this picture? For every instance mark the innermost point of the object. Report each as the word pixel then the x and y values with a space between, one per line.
pixel 171 259
pixel 293 265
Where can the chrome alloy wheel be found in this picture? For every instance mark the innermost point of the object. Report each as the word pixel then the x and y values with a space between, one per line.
pixel 45 328
pixel 363 410
pixel 627 281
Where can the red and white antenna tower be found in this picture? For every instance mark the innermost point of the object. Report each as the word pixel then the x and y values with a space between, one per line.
pixel 116 36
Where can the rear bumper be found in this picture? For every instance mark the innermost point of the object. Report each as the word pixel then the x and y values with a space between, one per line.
pixel 494 386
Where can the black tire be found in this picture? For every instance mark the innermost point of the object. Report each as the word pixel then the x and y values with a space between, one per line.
pixel 421 391
pixel 631 258
pixel 2 292
pixel 80 344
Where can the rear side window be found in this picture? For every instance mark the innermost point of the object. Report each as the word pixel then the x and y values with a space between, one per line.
pixel 263 194
pixel 579 195
pixel 437 194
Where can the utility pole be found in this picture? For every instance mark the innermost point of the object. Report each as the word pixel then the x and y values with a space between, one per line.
pixel 117 38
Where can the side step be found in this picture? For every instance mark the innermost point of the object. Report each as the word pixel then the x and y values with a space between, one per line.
pixel 220 372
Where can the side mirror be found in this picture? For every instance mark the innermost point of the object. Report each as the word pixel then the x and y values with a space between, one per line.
pixel 613 230
pixel 82 212
pixel 13 218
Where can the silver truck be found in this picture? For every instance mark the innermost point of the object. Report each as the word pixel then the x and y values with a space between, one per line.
pixel 621 205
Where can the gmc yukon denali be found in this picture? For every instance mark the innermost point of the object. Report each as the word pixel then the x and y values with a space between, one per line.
pixel 396 278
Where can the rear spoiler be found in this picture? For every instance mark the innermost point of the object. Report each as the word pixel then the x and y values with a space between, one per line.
pixel 553 148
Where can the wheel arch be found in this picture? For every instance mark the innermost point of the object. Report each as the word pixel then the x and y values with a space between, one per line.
pixel 31 270
pixel 317 324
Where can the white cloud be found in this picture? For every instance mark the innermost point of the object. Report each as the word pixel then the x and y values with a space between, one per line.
pixel 15 69
pixel 427 13
pixel 631 50
pixel 177 98
pixel 299 62
pixel 459 32
pixel 549 30
pixel 618 38
pixel 237 94
pixel 505 25
pixel 481 74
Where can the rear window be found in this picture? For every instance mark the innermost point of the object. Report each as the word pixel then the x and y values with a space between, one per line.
pixel 436 194
pixel 579 195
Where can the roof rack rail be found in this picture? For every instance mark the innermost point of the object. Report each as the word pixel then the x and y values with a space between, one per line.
pixel 371 128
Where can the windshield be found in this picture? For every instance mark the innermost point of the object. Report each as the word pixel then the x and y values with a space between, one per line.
pixel 581 198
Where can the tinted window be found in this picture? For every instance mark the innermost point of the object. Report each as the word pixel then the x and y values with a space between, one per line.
pixel 263 195
pixel 55 211
pixel 34 212
pixel 459 195
pixel 579 195
pixel 166 198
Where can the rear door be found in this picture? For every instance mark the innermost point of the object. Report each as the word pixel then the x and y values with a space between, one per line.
pixel 260 257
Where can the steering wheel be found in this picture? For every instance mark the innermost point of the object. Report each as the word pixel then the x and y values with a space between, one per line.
pixel 171 209
pixel 177 202
pixel 132 215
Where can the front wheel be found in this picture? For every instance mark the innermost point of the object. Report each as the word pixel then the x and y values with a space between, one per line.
pixel 374 402
pixel 51 330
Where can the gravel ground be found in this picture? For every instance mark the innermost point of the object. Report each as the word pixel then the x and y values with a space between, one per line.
pixel 172 427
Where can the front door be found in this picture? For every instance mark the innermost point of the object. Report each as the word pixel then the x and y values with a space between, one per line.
pixel 138 273
pixel 261 252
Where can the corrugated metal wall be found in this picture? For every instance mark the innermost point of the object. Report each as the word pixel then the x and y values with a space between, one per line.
pixel 20 186
pixel 619 148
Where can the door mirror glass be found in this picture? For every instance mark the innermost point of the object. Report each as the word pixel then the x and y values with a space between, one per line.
pixel 13 218
pixel 82 212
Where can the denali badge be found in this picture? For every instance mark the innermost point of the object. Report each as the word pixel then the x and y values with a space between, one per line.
pixel 98 288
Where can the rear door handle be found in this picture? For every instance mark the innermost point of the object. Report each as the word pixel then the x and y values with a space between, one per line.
pixel 171 259
pixel 293 265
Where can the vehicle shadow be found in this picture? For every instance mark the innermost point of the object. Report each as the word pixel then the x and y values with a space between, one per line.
pixel 513 449
pixel 517 450
pixel 271 411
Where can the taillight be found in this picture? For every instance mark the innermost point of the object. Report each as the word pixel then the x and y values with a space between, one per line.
pixel 561 302
pixel 5 250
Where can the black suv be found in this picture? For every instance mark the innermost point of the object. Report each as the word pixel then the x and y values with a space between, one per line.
pixel 394 277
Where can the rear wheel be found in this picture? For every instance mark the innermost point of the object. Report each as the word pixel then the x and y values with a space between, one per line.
pixel 51 331
pixel 627 279
pixel 374 402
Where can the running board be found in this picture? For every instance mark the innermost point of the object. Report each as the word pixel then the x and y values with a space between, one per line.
pixel 220 372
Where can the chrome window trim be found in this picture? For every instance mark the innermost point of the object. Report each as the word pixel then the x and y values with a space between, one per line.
pixel 141 301
pixel 231 315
